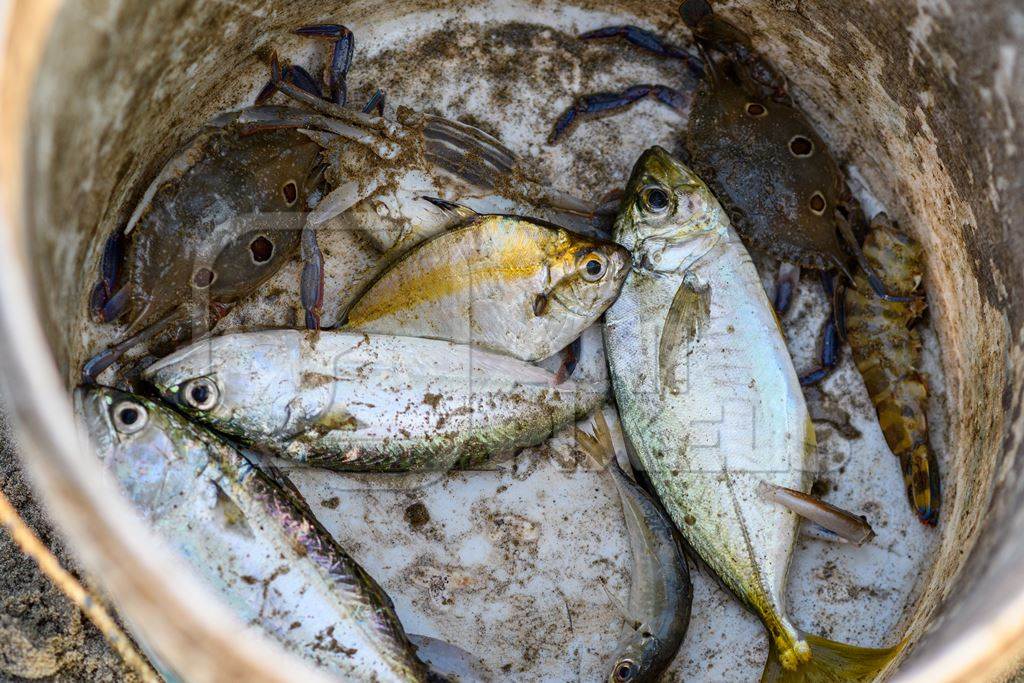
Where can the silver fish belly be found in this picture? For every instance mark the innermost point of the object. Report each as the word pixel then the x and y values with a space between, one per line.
pixel 363 402
pixel 712 406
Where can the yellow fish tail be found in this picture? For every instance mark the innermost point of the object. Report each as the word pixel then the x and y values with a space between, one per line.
pixel 829 662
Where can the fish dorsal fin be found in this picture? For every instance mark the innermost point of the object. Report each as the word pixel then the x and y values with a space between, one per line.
pixel 460 212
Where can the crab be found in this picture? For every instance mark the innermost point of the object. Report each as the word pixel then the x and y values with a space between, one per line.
pixel 774 175
pixel 249 191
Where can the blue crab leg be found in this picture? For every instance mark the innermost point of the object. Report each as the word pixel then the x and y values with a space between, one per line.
pixel 115 306
pixel 337 115
pixel 305 80
pixel 603 103
pixel 341 59
pixel 649 42
pixel 104 290
pixel 832 335
pixel 376 101
pixel 785 285
pixel 104 359
pixel 312 283
pixel 295 75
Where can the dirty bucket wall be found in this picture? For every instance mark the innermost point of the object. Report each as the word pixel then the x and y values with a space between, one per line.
pixel 915 97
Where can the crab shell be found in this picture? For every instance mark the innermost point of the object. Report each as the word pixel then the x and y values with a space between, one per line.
pixel 221 217
pixel 770 170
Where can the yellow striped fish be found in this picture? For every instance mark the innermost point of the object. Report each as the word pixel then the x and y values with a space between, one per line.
pixel 503 283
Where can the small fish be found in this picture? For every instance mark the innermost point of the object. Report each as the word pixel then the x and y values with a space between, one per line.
pixel 843 524
pixel 249 538
pixel 661 595
pixel 502 283
pixel 718 409
pixel 365 402
pixel 887 350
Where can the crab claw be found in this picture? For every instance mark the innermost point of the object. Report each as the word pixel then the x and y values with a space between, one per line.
pixel 341 59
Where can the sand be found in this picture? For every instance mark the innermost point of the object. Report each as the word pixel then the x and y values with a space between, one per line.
pixel 42 635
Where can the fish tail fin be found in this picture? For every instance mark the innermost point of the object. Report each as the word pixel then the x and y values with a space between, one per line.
pixel 922 481
pixel 818 660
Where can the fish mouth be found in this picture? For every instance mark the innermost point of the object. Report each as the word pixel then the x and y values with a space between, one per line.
pixel 90 406
pixel 571 308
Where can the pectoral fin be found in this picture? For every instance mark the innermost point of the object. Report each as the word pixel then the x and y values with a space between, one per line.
pixel 686 320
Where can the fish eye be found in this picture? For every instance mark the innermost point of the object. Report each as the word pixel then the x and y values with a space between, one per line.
pixel 654 199
pixel 262 249
pixel 129 417
pixel 818 203
pixel 624 670
pixel 290 190
pixel 755 110
pixel 201 393
pixel 800 146
pixel 203 278
pixel 593 266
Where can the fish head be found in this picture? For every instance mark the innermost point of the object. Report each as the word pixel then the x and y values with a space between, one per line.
pixel 665 203
pixel 116 420
pixel 235 383
pixel 191 380
pixel 140 443
pixel 589 275
pixel 638 658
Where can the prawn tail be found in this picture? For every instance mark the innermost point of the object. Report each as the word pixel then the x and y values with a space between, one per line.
pixel 827 662
pixel 921 476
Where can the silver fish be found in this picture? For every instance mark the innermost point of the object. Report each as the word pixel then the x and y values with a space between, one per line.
pixel 711 404
pixel 661 595
pixel 252 540
pixel 362 402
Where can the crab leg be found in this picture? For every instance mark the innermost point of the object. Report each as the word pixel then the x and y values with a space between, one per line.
pixel 341 59
pixel 305 80
pixel 603 103
pixel 785 284
pixel 312 283
pixel 104 359
pixel 829 355
pixel 649 42
pixel 833 333
pixel 293 74
pixel 376 101
pixel 100 302
pixel 178 315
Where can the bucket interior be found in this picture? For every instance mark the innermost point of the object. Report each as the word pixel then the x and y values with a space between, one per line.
pixel 517 561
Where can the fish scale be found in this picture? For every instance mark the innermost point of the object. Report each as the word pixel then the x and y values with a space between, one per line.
pixel 365 402
pixel 711 404
pixel 502 283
